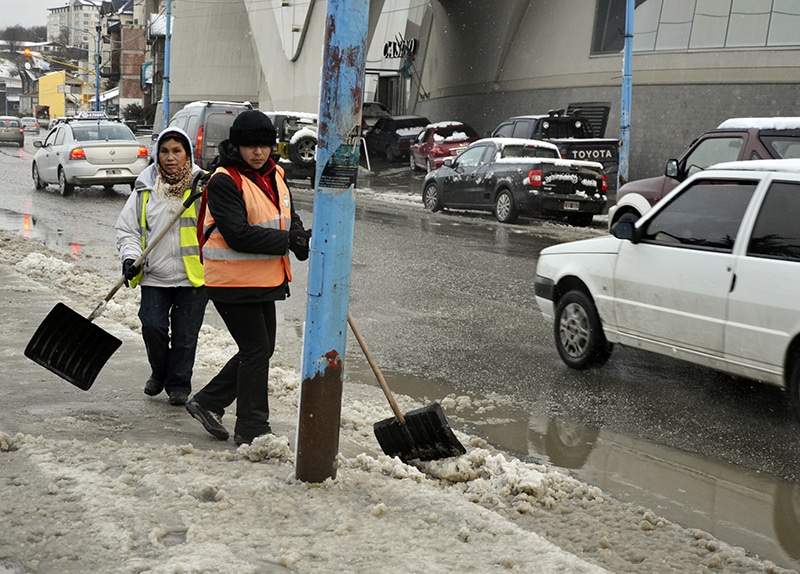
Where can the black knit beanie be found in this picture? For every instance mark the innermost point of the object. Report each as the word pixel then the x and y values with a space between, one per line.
pixel 252 128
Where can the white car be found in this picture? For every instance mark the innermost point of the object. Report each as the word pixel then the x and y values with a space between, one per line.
pixel 85 151
pixel 708 275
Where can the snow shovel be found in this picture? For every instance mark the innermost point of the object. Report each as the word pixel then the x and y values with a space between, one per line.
pixel 421 434
pixel 72 346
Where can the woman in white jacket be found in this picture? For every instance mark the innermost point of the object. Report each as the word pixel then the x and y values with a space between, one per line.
pixel 173 300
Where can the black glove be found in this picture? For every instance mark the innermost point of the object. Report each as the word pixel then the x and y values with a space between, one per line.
pixel 299 240
pixel 129 270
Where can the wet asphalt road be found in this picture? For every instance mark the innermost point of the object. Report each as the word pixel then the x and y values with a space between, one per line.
pixel 446 303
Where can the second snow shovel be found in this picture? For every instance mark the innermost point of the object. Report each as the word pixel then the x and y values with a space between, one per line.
pixel 73 347
pixel 421 434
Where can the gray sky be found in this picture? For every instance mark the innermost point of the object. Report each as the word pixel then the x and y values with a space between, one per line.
pixel 27 13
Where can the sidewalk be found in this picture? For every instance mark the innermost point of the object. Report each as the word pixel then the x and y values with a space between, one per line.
pixel 110 480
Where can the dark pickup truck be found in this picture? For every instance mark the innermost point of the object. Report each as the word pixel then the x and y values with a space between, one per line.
pixel 572 133
pixel 513 177
pixel 735 139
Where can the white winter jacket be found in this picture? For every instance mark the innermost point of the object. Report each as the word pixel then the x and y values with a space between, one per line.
pixel 164 265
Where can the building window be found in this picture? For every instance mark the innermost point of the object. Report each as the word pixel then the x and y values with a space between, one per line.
pixel 661 25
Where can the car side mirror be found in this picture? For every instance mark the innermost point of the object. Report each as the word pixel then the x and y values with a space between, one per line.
pixel 448 161
pixel 671 169
pixel 625 228
pixel 154 137
pixel 37 143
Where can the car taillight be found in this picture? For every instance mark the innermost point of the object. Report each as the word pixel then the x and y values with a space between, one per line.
pixel 77 153
pixel 534 178
pixel 604 186
pixel 143 151
pixel 198 150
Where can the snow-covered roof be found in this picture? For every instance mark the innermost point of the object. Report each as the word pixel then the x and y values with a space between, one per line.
pixel 787 165
pixel 776 123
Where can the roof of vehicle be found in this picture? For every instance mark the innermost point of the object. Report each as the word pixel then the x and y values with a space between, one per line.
pixel 208 103
pixel 776 123
pixel 502 142
pixel 783 165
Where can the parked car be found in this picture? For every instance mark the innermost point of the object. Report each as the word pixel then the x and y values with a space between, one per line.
pixel 297 141
pixel 88 151
pixel 707 275
pixel 735 139
pixel 207 122
pixel 439 141
pixel 391 137
pixel 370 112
pixel 11 130
pixel 30 124
pixel 513 177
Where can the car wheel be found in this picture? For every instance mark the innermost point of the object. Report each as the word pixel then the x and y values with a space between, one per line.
pixel 580 219
pixel 504 209
pixel 578 332
pixel 412 163
pixel 303 151
pixel 37 179
pixel 430 197
pixel 390 155
pixel 430 165
pixel 63 187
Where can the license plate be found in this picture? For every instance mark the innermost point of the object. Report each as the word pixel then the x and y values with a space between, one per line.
pixel 113 171
pixel 572 205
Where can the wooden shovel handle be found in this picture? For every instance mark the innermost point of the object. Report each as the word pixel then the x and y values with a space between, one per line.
pixel 378 375
pixel 139 260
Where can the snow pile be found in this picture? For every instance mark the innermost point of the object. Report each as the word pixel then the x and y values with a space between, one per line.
pixel 70 504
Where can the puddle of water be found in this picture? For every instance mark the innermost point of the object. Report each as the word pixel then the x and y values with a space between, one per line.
pixel 737 505
pixel 27 225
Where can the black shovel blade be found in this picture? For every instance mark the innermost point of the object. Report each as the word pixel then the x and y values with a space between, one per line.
pixel 71 346
pixel 424 436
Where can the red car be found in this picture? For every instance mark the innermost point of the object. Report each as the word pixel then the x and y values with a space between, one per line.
pixel 439 141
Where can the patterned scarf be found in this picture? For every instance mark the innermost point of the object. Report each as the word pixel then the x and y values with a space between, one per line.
pixel 176 183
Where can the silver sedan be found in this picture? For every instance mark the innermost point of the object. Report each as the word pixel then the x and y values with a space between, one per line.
pixel 88 152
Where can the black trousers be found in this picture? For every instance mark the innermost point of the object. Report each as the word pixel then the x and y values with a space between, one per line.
pixel 245 376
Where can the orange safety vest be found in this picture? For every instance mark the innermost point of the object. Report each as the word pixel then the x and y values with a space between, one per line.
pixel 226 267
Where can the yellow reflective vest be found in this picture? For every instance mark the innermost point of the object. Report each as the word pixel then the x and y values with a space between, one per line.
pixel 190 248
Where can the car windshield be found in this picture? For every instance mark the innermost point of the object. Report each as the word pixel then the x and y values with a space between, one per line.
pixel 101 132
pixel 514 151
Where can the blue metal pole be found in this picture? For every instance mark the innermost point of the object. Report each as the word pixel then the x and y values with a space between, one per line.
pixel 97 62
pixel 341 96
pixel 167 40
pixel 625 111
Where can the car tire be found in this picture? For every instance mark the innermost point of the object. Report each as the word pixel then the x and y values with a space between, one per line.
pixel 390 155
pixel 579 336
pixel 38 182
pixel 580 219
pixel 412 163
pixel 430 197
pixel 303 151
pixel 430 165
pixel 504 209
pixel 64 188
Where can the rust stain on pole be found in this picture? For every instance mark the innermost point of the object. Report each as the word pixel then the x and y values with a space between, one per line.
pixel 318 426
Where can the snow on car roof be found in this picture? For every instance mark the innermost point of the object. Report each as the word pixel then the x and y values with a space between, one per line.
pixel 787 165
pixel 777 123
pixel 520 141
